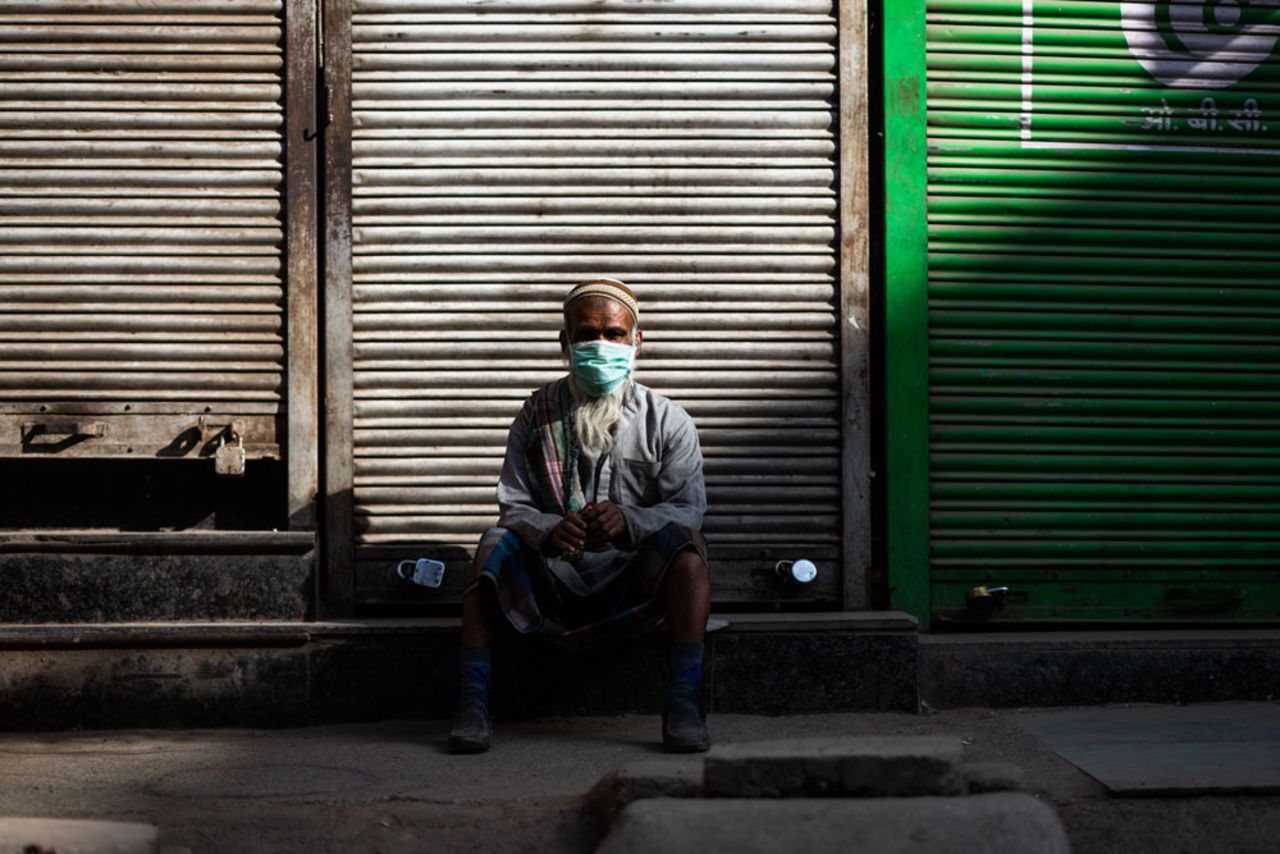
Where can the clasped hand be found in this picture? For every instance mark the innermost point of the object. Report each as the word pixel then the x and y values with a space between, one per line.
pixel 595 525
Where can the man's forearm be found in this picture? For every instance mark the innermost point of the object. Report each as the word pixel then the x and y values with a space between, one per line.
pixel 644 522
pixel 532 525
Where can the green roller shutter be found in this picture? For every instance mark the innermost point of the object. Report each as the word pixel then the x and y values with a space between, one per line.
pixel 1104 308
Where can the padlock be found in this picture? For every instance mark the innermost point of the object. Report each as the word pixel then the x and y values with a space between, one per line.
pixel 423 571
pixel 229 458
pixel 796 571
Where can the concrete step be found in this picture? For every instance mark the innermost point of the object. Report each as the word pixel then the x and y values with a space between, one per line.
pixel 108 577
pixel 844 766
pixel 1082 668
pixel 998 823
pixel 268 674
pixel 751 796
pixel 827 766
pixel 77 836
pixel 292 672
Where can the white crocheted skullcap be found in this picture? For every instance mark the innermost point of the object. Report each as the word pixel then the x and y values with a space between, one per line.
pixel 607 288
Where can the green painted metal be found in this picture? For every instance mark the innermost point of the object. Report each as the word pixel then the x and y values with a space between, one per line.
pixel 1153 598
pixel 906 368
pixel 1104 308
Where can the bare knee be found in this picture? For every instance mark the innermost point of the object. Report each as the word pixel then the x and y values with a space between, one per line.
pixel 689 570
pixel 488 540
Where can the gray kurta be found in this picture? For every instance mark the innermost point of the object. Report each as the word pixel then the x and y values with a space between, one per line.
pixel 653 473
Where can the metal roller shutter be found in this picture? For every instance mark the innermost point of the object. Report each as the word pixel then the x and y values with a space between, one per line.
pixel 503 151
pixel 140 226
pixel 1104 308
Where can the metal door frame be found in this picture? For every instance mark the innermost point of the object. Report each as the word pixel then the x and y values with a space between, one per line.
pixel 301 445
pixel 337 550
pixel 906 309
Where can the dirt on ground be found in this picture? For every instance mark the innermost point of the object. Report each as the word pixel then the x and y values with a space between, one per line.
pixel 391 787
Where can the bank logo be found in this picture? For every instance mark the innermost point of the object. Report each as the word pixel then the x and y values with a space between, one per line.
pixel 1201 44
pixel 1199 78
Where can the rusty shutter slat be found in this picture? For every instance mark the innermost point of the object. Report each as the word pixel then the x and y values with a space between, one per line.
pixel 141 223
pixel 503 152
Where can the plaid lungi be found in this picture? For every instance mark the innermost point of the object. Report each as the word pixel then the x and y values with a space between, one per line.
pixel 534 601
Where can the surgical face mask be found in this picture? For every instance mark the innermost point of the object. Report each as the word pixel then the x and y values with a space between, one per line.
pixel 601 366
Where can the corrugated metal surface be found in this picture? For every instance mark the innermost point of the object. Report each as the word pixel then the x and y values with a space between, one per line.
pixel 1104 307
pixel 140 215
pixel 505 150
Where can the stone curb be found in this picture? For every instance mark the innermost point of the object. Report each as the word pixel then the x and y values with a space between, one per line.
pixel 640 780
pixel 75 836
pixel 999 823
pixel 993 777
pixel 837 767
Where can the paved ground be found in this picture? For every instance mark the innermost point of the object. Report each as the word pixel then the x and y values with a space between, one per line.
pixel 1215 748
pixel 389 787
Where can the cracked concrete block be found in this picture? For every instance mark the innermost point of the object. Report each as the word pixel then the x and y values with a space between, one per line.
pixel 993 777
pixel 146 686
pixel 75 836
pixel 836 767
pixel 653 779
pixel 999 823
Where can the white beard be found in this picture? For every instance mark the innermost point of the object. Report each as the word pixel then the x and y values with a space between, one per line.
pixel 595 417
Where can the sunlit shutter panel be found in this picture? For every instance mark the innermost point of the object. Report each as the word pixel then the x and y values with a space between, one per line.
pixel 504 151
pixel 140 225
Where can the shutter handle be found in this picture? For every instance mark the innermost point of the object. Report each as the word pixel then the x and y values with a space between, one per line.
pixel 63 428
pixel 982 601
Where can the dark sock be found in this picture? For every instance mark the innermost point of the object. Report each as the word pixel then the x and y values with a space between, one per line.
pixel 686 672
pixel 473 682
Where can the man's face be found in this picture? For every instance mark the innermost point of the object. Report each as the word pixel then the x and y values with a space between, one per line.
pixel 598 319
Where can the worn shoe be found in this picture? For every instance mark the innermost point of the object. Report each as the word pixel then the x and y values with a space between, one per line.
pixel 472 730
pixel 683 729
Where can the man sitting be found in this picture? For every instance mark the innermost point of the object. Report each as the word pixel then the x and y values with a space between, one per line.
pixel 602 499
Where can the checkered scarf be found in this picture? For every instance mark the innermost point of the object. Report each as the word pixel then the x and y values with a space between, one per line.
pixel 552 450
